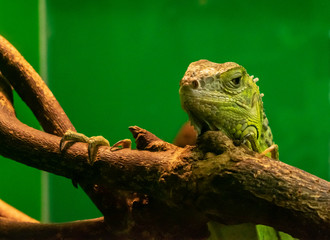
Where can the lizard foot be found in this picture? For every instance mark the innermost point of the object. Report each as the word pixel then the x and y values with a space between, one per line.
pixel 273 150
pixel 93 143
pixel 125 143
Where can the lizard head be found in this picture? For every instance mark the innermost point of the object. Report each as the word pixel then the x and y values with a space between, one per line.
pixel 221 97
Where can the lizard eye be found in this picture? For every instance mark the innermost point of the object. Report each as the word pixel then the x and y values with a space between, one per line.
pixel 236 81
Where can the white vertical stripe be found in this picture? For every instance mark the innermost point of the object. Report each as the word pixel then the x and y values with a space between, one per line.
pixel 45 210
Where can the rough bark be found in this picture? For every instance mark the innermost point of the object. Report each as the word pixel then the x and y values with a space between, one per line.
pixel 160 190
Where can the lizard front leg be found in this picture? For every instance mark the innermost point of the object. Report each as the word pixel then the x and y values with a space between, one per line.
pixel 93 143
pixel 249 138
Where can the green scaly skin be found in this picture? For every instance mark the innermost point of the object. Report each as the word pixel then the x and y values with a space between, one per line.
pixel 224 97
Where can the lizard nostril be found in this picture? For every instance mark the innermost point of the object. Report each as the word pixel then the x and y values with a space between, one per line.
pixel 195 84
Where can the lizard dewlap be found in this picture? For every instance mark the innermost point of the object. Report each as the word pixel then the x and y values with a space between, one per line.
pixel 224 97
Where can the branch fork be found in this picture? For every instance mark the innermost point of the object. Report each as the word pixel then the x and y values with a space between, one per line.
pixel 159 190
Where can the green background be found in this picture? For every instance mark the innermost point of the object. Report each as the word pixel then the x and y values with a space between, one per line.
pixel 113 64
pixel 20 185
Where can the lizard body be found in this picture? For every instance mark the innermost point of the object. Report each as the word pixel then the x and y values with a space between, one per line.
pixel 224 97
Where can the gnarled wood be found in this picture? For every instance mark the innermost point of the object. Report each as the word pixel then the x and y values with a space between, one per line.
pixel 27 83
pixel 161 190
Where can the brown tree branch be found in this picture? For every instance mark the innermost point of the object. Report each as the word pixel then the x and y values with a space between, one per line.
pixel 27 83
pixel 9 212
pixel 88 229
pixel 162 190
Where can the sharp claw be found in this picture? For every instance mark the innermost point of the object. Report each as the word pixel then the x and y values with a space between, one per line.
pixel 93 144
pixel 92 150
pixel 125 143
pixel 273 150
pixel 90 154
pixel 67 136
pixel 62 144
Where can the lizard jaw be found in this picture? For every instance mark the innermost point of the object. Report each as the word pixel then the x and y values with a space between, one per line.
pixel 215 111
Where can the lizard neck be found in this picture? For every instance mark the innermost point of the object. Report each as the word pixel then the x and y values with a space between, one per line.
pixel 266 136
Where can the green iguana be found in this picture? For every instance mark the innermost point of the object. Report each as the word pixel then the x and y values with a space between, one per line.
pixel 223 97
pixel 219 97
